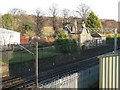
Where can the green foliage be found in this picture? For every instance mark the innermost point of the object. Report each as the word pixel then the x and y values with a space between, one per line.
pixel 7 21
pixel 27 26
pixel 61 35
pixel 22 56
pixel 66 45
pixel 63 43
pixel 112 36
pixel 93 21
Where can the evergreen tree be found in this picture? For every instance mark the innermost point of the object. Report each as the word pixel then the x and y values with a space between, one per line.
pixel 94 22
pixel 7 21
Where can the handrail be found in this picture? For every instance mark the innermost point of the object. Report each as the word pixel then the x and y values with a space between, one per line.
pixel 26 49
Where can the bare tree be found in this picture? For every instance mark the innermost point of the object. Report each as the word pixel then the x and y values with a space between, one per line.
pixel 17 11
pixel 54 13
pixel 65 13
pixel 83 11
pixel 39 21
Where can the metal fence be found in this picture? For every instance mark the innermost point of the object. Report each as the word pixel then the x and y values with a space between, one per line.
pixel 20 59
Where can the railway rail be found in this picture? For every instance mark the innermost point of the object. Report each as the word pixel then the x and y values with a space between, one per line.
pixel 46 77
pixel 15 82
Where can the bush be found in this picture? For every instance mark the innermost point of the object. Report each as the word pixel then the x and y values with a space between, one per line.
pixel 66 45
pixel 61 35
pixel 112 35
pixel 63 43
pixel 45 44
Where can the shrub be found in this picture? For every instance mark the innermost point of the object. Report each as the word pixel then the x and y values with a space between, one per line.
pixel 61 35
pixel 112 35
pixel 63 43
pixel 66 45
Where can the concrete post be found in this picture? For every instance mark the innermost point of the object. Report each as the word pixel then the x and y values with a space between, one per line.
pixel 115 40
pixel 37 64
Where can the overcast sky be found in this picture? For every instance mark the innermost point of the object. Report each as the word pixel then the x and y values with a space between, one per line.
pixel 104 9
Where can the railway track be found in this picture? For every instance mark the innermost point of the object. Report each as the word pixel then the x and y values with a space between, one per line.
pixel 45 77
pixel 14 83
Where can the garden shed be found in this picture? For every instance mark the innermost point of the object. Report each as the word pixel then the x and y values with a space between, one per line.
pixel 9 37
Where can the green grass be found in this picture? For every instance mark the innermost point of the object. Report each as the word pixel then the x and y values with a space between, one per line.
pixel 45 54
pixel 1 63
pixel 20 57
pixel 25 56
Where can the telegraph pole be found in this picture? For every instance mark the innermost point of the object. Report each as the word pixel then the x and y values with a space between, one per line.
pixel 37 64
pixel 36 61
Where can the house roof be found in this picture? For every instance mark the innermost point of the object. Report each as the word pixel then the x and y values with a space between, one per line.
pixel 95 35
pixel 3 30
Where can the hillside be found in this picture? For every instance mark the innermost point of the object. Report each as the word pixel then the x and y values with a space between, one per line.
pixel 21 21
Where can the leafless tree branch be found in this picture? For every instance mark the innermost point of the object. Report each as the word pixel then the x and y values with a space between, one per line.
pixel 83 11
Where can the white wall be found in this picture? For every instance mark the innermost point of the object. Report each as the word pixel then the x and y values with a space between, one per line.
pixel 85 36
pixel 9 37
pixel 70 81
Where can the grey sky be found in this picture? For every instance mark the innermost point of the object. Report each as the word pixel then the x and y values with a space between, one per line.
pixel 105 9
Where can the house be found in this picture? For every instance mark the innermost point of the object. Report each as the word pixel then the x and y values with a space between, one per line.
pixel 87 38
pixel 9 37
pixel 100 38
pixel 118 27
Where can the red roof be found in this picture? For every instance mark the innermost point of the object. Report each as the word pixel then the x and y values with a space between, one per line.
pixel 24 40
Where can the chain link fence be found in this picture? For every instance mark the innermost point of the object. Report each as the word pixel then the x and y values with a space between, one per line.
pixel 20 59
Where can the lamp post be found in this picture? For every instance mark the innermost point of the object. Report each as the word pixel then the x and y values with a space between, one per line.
pixel 115 40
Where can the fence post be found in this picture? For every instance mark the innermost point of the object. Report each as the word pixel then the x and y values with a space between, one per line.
pixel 37 64
pixel 79 43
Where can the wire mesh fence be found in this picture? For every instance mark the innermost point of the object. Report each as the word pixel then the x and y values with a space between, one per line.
pixel 20 59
